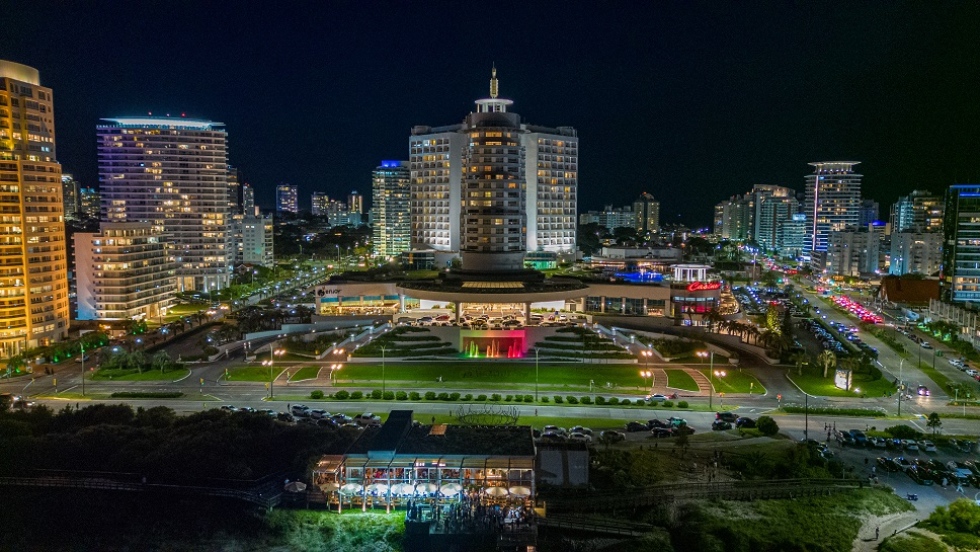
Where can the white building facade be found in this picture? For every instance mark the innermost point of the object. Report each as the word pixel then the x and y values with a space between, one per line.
pixel 832 202
pixel 915 252
pixel 391 192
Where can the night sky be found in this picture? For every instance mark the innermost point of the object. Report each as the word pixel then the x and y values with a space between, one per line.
pixel 691 101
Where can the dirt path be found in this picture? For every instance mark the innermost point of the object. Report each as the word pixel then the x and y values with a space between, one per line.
pixel 887 526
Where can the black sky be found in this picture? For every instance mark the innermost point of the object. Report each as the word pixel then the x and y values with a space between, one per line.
pixel 692 101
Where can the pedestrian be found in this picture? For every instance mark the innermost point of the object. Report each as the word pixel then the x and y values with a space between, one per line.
pixel 287 407
pixel 876 532
pixel 535 412
pixel 433 420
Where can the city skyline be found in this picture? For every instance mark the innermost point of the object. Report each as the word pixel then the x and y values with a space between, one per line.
pixel 718 108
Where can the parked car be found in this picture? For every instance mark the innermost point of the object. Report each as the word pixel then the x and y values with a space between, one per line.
pixel 860 439
pixel 888 464
pixel 656 423
pixel 729 417
pixel 229 408
pixel 845 438
pixel 318 414
pixel 578 437
pixel 657 397
pixel 555 429
pixel 612 436
pixel 342 418
pixel 580 429
pixel 720 425
pixel 661 432
pixel 636 426
pixel 676 421
pixel 285 417
pixel 366 419
pixel 300 411
pixel 878 442
pixel 927 446
pixel 744 423
pixel 910 445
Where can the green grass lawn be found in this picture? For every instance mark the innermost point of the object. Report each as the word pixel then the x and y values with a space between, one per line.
pixel 133 375
pixel 253 373
pixel 679 379
pixel 459 374
pixel 736 381
pixel 814 384
pixel 305 373
pixel 935 375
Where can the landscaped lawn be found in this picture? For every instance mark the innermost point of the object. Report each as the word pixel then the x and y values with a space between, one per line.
pixel 679 379
pixel 736 381
pixel 253 373
pixel 133 375
pixel 305 373
pixel 460 373
pixel 815 384
pixel 935 375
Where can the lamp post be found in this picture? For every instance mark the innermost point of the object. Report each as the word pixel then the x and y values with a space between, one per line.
pixel 719 374
pixel 646 374
pixel 711 369
pixel 536 351
pixel 334 368
pixel 83 367
pixel 273 353
pixel 382 370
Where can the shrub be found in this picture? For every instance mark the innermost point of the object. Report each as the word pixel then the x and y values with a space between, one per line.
pixel 558 399
pixel 767 425
pixel 147 395
pixel 376 394
pixel 544 399
pixel 518 398
pixel 388 395
pixel 528 398
pixel 316 394
pixel 357 395
pixel 430 395
pixel 612 400
pixel 414 395
pixel 625 402
pixel 585 400
pixel 667 404
pixel 454 396
pixel 598 400
pixel 401 396
pixel 466 397
pixel 341 395
pixel 495 397
pixel 509 398
pixel 682 404
pixel 903 431
pixel 571 399
pixel 443 396
pixel 481 398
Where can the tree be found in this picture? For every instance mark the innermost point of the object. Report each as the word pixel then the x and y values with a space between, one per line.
pixel 934 422
pixel 767 426
pixel 826 360
pixel 161 361
pixel 799 359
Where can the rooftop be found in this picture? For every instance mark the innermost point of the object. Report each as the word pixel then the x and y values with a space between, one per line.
pixel 169 122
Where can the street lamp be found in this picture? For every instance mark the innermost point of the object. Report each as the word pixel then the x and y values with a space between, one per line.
pixel 273 353
pixel 83 367
pixel 382 370
pixel 719 374
pixel 334 368
pixel 646 354
pixel 536 351
pixel 711 368
pixel 646 374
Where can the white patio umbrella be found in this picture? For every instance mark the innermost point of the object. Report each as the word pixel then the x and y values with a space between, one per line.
pixel 402 489
pixel 451 489
pixel 329 487
pixel 377 488
pixel 426 488
pixel 496 491
pixel 294 487
pixel 520 491
pixel 351 488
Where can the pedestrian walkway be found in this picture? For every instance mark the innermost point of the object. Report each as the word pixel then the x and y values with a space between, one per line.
pixel 704 386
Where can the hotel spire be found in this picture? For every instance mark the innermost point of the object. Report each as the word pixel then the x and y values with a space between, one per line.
pixel 493 82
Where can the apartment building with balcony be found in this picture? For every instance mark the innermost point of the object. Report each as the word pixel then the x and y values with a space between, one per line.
pixel 124 271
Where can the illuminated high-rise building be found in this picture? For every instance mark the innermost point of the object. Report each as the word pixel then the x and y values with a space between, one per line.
pixel 71 196
pixel 287 198
pixel 390 200
pixel 33 259
pixel 494 184
pixel 646 210
pixel 90 202
pixel 248 200
pixel 173 173
pixel 920 211
pixel 832 202
pixel 319 204
pixel 355 202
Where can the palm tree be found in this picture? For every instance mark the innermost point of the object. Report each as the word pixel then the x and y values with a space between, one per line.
pixel 826 360
pixel 799 359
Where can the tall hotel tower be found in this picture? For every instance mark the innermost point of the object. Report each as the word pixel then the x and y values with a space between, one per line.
pixel 173 173
pixel 390 193
pixel 832 202
pixel 494 185
pixel 33 262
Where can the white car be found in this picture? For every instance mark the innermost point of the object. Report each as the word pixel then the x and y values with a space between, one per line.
pixel 927 446
pixel 580 437
pixel 580 429
pixel 909 444
pixel 367 419
pixel 971 372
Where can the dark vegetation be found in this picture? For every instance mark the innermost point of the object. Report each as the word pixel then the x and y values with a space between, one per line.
pixel 158 444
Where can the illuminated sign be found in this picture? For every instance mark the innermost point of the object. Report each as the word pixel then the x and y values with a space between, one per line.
pixel 703 286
